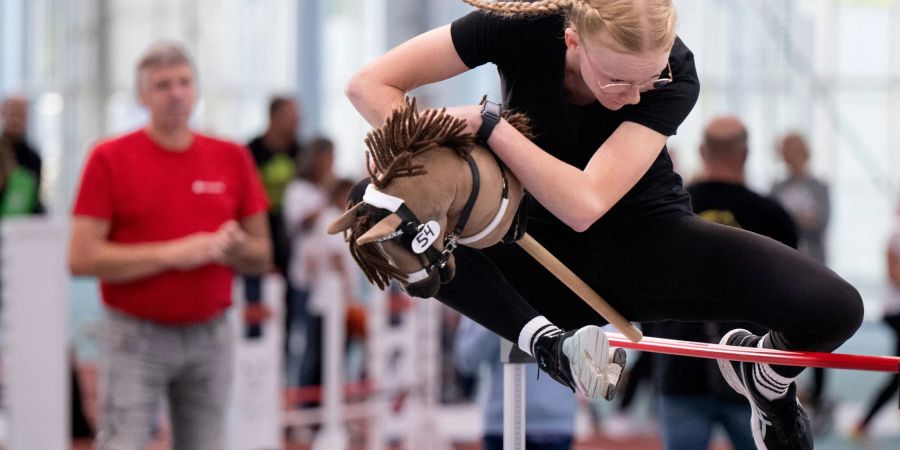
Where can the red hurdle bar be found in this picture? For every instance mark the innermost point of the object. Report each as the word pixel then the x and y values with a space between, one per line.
pixel 759 355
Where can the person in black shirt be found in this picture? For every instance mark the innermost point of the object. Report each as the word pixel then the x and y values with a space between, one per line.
pixel 605 83
pixel 20 185
pixel 20 164
pixel 275 153
pixel 692 396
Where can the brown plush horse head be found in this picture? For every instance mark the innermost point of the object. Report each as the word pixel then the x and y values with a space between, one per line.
pixel 431 188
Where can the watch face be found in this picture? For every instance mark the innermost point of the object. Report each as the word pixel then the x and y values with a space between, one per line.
pixel 491 109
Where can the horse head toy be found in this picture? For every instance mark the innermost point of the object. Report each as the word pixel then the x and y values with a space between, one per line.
pixel 431 188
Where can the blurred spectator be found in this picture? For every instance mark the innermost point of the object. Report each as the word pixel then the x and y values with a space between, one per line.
pixel 163 217
pixel 621 423
pixel 807 199
pixel 804 196
pixel 329 273
pixel 693 396
pixel 275 154
pixel 305 198
pixel 325 255
pixel 20 186
pixel 549 406
pixel 20 164
pixel 892 319
pixel 456 386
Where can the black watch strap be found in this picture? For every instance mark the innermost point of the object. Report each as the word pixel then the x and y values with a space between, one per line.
pixel 490 117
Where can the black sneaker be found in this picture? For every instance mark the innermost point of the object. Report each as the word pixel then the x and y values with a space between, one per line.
pixel 585 353
pixel 776 424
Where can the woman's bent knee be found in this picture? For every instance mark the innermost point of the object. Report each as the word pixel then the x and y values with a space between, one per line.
pixel 843 317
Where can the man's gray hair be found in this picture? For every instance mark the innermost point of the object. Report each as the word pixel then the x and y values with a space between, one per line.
pixel 162 54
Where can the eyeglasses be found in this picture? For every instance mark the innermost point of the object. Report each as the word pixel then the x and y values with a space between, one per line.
pixel 624 88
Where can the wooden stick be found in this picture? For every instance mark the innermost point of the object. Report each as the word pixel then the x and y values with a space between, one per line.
pixel 578 286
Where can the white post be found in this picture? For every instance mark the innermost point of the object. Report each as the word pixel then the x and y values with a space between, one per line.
pixel 34 291
pixel 254 415
pixel 403 362
pixel 376 328
pixel 513 406
pixel 425 432
pixel 333 435
pixel 513 361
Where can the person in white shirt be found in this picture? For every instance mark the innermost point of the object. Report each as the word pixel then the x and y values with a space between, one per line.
pixel 304 199
pixel 892 318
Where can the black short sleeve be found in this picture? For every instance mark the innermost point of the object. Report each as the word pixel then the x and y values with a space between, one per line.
pixel 471 36
pixel 481 37
pixel 664 109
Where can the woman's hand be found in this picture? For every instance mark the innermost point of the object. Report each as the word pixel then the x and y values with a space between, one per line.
pixel 470 113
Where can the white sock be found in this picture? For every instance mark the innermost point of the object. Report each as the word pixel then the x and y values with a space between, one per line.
pixel 768 382
pixel 533 330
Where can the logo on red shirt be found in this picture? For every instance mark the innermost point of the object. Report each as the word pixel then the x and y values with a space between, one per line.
pixel 208 187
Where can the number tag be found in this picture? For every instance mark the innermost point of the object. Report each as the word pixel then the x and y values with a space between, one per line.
pixel 428 233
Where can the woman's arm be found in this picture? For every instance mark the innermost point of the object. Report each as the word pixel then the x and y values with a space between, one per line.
pixel 381 85
pixel 575 196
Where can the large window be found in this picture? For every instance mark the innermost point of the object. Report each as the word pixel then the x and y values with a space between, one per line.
pixel 829 69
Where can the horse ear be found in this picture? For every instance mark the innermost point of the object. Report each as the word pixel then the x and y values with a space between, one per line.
pixel 344 222
pixel 381 229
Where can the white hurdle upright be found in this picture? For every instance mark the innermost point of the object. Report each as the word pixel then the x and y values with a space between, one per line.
pixel 333 434
pixel 514 361
pixel 403 369
pixel 404 365
pixel 35 285
pixel 255 409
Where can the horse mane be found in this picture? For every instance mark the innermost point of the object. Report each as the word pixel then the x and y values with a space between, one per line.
pixel 407 133
pixel 389 155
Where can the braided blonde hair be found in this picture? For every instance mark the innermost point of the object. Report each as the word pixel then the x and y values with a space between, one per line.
pixel 635 25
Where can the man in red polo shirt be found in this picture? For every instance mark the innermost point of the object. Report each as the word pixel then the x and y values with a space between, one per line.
pixel 163 218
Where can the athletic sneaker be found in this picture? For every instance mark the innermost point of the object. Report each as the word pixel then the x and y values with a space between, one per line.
pixel 582 360
pixel 776 424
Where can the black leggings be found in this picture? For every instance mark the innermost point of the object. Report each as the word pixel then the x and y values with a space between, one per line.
pixel 679 268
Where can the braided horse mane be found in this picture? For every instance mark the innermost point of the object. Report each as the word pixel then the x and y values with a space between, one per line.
pixel 390 154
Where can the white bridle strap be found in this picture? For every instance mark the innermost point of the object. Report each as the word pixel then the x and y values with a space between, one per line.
pixel 381 200
pixel 388 202
pixel 416 277
pixel 481 234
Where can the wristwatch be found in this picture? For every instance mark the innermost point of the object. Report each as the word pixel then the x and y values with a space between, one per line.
pixel 490 117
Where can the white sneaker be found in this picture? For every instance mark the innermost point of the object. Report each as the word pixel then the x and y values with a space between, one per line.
pixel 582 360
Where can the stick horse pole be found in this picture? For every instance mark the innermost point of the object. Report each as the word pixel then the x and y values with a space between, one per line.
pixel 578 286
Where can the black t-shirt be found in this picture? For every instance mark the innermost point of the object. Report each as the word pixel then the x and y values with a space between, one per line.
pixel 262 154
pixel 530 57
pixel 28 158
pixel 734 205
pixel 750 210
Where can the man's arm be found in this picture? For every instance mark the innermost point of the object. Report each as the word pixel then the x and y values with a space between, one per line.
pixel 246 247
pixel 893 266
pixel 92 254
